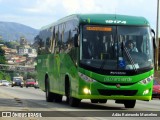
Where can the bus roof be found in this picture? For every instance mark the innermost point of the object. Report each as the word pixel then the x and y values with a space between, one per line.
pixel 103 19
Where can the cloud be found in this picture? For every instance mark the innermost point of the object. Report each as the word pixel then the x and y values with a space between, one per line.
pixel 70 6
pixel 87 6
pixel 42 6
pixel 34 21
pixel 43 11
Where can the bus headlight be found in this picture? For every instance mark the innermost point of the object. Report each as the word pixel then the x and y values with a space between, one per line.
pixel 86 91
pixel 86 78
pixel 146 92
pixel 147 80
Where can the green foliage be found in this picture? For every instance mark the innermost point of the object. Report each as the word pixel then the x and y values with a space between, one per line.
pixel 1 75
pixel 2 57
pixel 5 76
pixel 2 42
pixel 28 75
pixel 12 44
pixel 8 77
pixel 32 75
pixel 2 60
pixel 2 52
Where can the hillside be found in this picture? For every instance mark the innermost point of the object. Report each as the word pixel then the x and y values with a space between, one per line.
pixel 13 31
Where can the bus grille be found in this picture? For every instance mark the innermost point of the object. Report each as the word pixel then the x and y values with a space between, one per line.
pixel 117 92
pixel 114 84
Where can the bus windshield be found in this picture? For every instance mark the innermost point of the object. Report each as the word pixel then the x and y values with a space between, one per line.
pixel 116 47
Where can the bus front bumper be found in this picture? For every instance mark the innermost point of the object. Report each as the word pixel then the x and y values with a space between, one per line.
pixel 100 91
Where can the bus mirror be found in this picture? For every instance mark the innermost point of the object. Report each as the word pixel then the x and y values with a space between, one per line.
pixel 154 40
pixel 76 41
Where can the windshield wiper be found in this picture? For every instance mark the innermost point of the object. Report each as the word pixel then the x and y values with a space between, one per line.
pixel 123 47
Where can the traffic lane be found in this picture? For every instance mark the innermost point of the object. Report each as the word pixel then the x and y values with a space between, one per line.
pixel 35 100
pixel 152 105
pixel 10 102
pixel 24 92
pixel 32 95
pixel 32 100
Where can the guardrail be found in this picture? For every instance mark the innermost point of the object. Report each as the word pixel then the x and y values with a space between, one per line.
pixel 17 68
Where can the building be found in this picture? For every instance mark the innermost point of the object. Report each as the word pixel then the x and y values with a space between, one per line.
pixel 27 50
pixel 23 41
pixel 9 50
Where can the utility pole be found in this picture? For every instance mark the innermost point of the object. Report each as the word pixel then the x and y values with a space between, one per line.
pixel 158 19
pixel 157 36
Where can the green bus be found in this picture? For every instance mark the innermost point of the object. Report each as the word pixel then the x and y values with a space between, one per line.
pixel 87 56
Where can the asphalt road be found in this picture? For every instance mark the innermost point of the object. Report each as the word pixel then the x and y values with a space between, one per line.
pixel 31 99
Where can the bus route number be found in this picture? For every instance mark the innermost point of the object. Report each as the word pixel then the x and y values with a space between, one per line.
pixel 116 21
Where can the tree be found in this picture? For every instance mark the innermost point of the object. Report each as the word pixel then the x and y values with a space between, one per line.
pixel 5 76
pixel 32 75
pixel 2 52
pixel 2 42
pixel 2 57
pixel 12 44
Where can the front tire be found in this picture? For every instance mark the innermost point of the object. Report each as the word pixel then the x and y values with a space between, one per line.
pixel 103 101
pixel 74 102
pixel 94 100
pixel 129 103
pixel 58 98
pixel 49 95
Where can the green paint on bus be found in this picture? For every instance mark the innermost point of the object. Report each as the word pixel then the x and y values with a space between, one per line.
pixel 88 56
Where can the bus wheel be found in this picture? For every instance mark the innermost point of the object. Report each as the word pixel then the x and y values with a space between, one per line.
pixel 58 98
pixel 129 103
pixel 74 102
pixel 94 100
pixel 103 101
pixel 49 95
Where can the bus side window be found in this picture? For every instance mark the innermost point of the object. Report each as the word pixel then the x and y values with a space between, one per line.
pixel 41 46
pixel 36 42
pixel 56 48
pixel 48 45
pixel 69 33
pixel 53 40
pixel 66 38
pixel 60 35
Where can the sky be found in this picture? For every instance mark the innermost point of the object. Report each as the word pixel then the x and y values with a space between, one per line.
pixel 38 13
